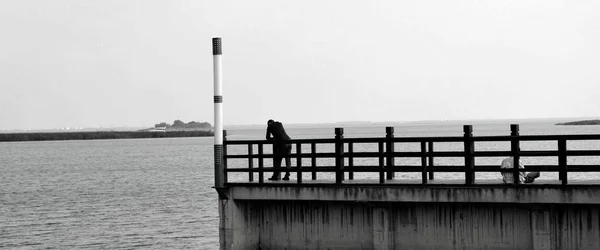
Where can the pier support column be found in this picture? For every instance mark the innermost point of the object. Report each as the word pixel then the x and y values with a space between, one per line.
pixel 235 231
pixel 381 229
pixel 540 227
pixel 226 232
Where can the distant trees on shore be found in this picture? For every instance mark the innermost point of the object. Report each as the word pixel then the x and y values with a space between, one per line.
pixel 177 129
pixel 584 122
pixel 98 135
pixel 178 124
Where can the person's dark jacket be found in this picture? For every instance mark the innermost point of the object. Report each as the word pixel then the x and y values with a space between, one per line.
pixel 279 135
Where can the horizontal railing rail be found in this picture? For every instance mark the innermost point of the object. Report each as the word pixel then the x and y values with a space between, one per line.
pixel 343 156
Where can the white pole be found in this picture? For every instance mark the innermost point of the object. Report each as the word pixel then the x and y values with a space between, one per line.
pixel 218 98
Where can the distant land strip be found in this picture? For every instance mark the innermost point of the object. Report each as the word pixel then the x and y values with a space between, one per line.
pixel 99 135
pixel 584 122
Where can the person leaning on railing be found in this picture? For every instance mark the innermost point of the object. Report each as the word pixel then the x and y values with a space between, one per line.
pixel 281 148
pixel 508 177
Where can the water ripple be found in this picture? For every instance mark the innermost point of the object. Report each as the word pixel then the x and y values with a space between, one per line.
pixel 117 194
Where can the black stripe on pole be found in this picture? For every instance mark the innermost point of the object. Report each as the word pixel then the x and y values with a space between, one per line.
pixel 218 155
pixel 218 99
pixel 219 166
pixel 217 46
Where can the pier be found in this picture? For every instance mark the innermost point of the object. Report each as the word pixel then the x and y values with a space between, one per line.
pixel 345 195
pixel 328 204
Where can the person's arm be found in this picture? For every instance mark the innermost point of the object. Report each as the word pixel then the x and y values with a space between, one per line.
pixel 269 133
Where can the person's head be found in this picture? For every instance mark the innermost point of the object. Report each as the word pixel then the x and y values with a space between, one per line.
pixel 270 122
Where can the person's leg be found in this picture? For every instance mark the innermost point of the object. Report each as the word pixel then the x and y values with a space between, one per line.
pixel 276 163
pixel 287 151
pixel 531 176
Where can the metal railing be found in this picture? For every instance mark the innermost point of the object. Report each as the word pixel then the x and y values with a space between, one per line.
pixel 344 156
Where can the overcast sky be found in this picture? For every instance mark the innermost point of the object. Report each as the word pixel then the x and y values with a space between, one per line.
pixel 74 63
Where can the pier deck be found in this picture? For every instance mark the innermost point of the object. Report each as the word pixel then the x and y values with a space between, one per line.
pixel 417 182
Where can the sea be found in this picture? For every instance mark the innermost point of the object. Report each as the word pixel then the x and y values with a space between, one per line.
pixel 157 193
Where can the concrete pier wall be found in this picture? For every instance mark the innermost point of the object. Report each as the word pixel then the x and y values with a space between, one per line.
pixel 526 218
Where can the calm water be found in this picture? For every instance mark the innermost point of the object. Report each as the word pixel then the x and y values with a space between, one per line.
pixel 156 193
pixel 108 194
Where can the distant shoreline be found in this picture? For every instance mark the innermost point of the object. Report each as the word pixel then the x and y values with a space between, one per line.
pixel 100 135
pixel 584 122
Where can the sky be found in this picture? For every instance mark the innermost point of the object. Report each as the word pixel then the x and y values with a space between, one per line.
pixel 116 63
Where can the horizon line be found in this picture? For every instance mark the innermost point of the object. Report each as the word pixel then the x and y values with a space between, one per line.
pixel 357 122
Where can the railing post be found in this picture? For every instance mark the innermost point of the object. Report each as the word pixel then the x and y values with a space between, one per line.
pixel 313 159
pixel 515 149
pixel 250 163
pixel 424 161
pixel 261 173
pixel 431 163
pixel 562 160
pixel 389 150
pixel 299 161
pixel 339 155
pixel 469 159
pixel 350 160
pixel 381 151
pixel 224 173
